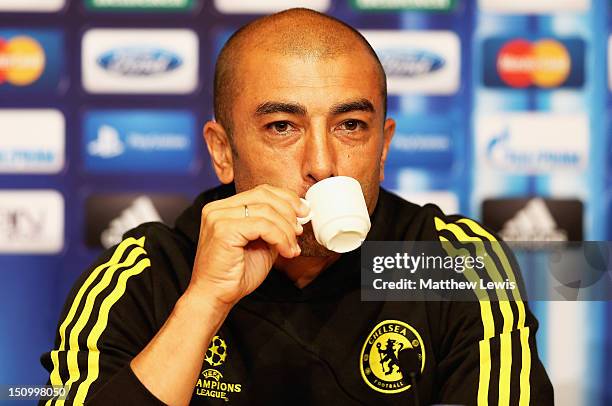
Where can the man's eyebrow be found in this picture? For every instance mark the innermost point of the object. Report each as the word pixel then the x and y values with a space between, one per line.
pixel 355 105
pixel 280 107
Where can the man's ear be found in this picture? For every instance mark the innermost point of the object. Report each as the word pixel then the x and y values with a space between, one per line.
pixel 220 150
pixel 388 132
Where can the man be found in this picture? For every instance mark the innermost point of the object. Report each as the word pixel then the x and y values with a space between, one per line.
pixel 240 304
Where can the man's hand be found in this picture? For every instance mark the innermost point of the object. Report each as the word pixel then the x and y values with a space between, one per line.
pixel 235 251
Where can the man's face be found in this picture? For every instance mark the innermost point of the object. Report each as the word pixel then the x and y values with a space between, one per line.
pixel 298 120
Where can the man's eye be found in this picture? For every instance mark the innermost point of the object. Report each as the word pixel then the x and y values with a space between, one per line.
pixel 279 126
pixel 352 125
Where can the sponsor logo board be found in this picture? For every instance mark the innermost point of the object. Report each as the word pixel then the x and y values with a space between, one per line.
pixel 533 143
pixel 32 141
pixel 546 63
pixel 30 61
pixel 534 6
pixel 140 5
pixel 31 222
pixel 139 141
pixel 423 62
pixel 109 216
pixel 140 61
pixel 32 6
pixel 421 142
pixel 404 5
pixel 268 6
pixel 534 219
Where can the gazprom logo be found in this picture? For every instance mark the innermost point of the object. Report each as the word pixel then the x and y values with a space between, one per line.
pixel 502 153
pixel 410 64
pixel 134 61
pixel 533 142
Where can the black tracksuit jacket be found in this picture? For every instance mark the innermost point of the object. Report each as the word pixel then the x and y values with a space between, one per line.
pixel 282 345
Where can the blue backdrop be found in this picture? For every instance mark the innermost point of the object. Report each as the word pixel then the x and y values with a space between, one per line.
pixel 493 100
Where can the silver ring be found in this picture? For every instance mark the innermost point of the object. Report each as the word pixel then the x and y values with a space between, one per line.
pixel 246 211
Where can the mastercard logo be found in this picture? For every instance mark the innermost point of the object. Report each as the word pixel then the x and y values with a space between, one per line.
pixel 22 61
pixel 545 63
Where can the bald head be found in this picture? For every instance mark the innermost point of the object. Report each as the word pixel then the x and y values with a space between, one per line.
pixel 296 32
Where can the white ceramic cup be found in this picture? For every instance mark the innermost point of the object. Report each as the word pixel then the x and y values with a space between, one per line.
pixel 338 212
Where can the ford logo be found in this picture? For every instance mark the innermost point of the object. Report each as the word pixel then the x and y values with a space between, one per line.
pixel 139 61
pixel 410 63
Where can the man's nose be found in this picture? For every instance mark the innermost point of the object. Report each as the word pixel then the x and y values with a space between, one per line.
pixel 319 154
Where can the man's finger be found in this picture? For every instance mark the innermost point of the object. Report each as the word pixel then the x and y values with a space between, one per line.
pixel 282 201
pixel 252 228
pixel 263 210
pixel 289 196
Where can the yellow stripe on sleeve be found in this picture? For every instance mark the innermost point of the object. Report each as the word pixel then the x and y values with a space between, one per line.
pixel 55 377
pixel 73 341
pixel 505 350
pixel 525 368
pixel 485 372
pixel 93 357
pixel 506 310
pixel 525 387
pixel 486 315
pixel 477 229
pixel 491 270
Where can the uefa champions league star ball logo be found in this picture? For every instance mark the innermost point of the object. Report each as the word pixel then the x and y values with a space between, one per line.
pixel 217 352
pixel 212 383
pixel 380 359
